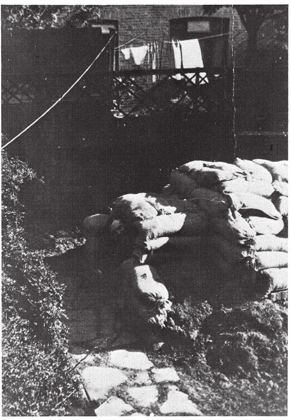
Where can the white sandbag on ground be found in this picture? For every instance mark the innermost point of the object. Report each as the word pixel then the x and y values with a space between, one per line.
pixel 250 203
pixel 266 226
pixel 160 203
pixel 180 205
pixel 281 187
pixel 144 294
pixel 233 227
pixel 270 259
pixel 278 170
pixel 270 243
pixel 211 202
pixel 281 204
pixel 193 166
pixel 261 188
pixel 182 183
pixel 231 251
pixel 131 207
pixel 271 280
pixel 163 225
pixel 209 177
pixel 257 172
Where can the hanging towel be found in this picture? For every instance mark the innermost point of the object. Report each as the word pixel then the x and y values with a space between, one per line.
pixel 192 57
pixel 177 57
pixel 126 53
pixel 139 54
pixel 154 60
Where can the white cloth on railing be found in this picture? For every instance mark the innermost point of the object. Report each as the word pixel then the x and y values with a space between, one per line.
pixel 126 53
pixel 192 57
pixel 139 54
pixel 177 58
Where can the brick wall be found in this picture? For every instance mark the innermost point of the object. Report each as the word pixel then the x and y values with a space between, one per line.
pixel 152 22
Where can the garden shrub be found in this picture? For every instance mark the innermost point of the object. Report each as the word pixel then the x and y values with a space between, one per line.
pixel 37 375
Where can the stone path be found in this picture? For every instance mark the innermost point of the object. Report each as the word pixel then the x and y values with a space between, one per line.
pixel 126 383
pixel 118 377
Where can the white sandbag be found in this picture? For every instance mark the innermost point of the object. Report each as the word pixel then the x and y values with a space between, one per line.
pixel 182 205
pixel 182 183
pixel 193 166
pixel 270 259
pixel 230 250
pixel 278 170
pixel 270 243
pixel 211 202
pixel 144 294
pixel 281 187
pixel 208 177
pixel 233 227
pixel 266 226
pixel 131 207
pixel 257 172
pixel 165 225
pixel 271 280
pixel 250 203
pixel 281 204
pixel 241 185
pixel 160 203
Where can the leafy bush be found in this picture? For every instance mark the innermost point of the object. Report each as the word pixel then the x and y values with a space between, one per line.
pixel 37 372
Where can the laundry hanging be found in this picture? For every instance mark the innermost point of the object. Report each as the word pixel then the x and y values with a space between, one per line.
pixel 126 53
pixel 177 57
pixel 139 54
pixel 192 57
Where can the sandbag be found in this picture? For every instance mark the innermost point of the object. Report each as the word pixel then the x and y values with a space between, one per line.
pixel 233 227
pixel 211 202
pixel 131 207
pixel 271 280
pixel 144 294
pixel 182 205
pixel 208 177
pixel 241 185
pixel 270 243
pixel 193 166
pixel 165 225
pixel 278 170
pixel 270 259
pixel 257 172
pixel 266 226
pixel 231 251
pixel 253 203
pixel 281 187
pixel 227 167
pixel 182 183
pixel 281 204
pixel 160 203
pixel 95 223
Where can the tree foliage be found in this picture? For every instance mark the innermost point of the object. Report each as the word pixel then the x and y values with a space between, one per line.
pixel 41 16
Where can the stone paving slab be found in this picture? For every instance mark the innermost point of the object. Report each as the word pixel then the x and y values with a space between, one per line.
pixel 130 359
pixel 178 403
pixel 144 395
pixel 114 406
pixel 165 375
pixel 99 381
pixel 142 378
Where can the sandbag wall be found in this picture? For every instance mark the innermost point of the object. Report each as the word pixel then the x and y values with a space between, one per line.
pixel 247 205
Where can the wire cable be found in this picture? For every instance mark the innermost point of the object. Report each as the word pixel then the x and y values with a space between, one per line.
pixel 62 97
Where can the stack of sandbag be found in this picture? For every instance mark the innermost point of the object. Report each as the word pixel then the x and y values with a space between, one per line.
pixel 152 221
pixel 244 200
